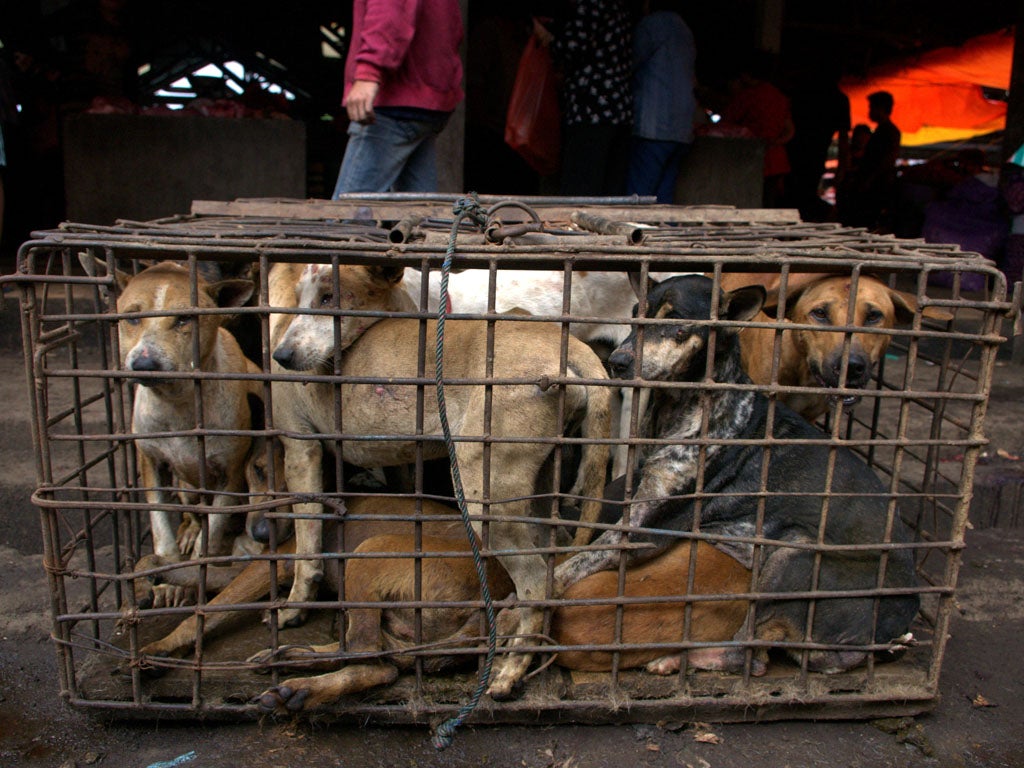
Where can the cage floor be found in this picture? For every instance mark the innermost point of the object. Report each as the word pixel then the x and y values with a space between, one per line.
pixel 227 687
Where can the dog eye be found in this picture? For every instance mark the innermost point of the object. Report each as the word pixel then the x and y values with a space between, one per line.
pixel 131 320
pixel 327 299
pixel 820 314
pixel 182 321
pixel 874 317
pixel 258 471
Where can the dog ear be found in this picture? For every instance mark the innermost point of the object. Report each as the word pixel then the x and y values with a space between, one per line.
pixel 906 305
pixel 231 293
pixel 96 267
pixel 744 303
pixel 392 275
pixel 794 289
pixel 638 289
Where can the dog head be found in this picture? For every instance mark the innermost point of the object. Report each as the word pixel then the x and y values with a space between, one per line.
pixel 264 475
pixel 310 341
pixel 164 342
pixel 826 302
pixel 677 351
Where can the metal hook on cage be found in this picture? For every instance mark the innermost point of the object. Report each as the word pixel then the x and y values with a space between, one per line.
pixel 496 232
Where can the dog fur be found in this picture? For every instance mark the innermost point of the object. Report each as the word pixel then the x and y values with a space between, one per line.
pixel 390 350
pixel 454 579
pixel 728 475
pixel 159 344
pixel 813 357
pixel 597 294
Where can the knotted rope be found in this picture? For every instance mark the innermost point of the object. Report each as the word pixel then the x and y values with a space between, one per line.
pixel 467 207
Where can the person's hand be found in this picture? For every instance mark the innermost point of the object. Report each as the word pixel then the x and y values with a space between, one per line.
pixel 359 103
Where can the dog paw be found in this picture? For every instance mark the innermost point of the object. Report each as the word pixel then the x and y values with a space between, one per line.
pixel 291 617
pixel 188 538
pixel 282 699
pixel 173 596
pixel 149 670
pixel 507 682
pixel 262 659
pixel 285 653
pixel 666 665
pixel 505 690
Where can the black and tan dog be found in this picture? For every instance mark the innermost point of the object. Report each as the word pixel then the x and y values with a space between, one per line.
pixel 704 470
pixel 526 357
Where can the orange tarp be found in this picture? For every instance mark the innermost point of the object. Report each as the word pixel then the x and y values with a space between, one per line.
pixel 939 94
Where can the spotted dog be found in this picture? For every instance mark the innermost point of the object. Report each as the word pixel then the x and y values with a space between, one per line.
pixel 704 430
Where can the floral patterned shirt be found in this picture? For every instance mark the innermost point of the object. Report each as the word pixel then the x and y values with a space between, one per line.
pixel 594 46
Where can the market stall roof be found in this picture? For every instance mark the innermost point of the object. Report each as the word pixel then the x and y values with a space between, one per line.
pixel 946 94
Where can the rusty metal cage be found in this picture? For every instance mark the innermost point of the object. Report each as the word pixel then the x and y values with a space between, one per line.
pixel 919 426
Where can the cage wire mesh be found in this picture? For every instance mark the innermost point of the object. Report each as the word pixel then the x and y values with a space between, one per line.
pixel 918 425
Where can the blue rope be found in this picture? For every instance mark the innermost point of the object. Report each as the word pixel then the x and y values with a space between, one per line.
pixel 445 733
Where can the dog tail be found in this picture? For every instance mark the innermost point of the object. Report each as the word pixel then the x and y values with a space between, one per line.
pixel 595 424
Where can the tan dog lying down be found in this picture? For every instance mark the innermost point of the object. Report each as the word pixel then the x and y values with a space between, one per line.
pixel 814 358
pixel 389 350
pixel 371 630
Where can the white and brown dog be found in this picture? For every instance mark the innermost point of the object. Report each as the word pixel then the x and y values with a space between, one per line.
pixel 536 399
pixel 605 297
pixel 157 336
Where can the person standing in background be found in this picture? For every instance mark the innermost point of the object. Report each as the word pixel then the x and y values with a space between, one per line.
pixel 592 46
pixel 403 79
pixel 870 189
pixel 821 113
pixel 757 105
pixel 664 103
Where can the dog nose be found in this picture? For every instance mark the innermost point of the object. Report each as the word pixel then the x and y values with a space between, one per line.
pixel 144 362
pixel 619 362
pixel 856 369
pixel 260 530
pixel 284 357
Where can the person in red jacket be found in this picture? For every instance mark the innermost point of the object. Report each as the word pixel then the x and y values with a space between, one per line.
pixel 403 79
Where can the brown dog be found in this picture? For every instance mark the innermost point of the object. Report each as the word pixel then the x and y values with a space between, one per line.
pixel 814 358
pixel 454 579
pixel 151 346
pixel 449 579
pixel 376 630
pixel 389 351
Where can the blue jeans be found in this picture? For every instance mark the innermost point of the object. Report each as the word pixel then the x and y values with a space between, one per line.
pixel 390 155
pixel 654 168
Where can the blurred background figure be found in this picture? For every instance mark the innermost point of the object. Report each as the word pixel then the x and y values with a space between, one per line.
pixel 1011 186
pixel 821 113
pixel 757 105
pixel 495 46
pixel 869 189
pixel 592 46
pixel 664 103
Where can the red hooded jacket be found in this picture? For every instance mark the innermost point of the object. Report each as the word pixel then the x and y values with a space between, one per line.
pixel 410 47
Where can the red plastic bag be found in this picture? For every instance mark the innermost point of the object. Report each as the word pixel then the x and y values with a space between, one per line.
pixel 533 121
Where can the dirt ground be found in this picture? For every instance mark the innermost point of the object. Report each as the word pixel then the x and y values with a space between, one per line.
pixel 979 720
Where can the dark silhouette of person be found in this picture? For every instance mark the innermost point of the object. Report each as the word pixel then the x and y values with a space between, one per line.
pixel 869 190
pixel 821 113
